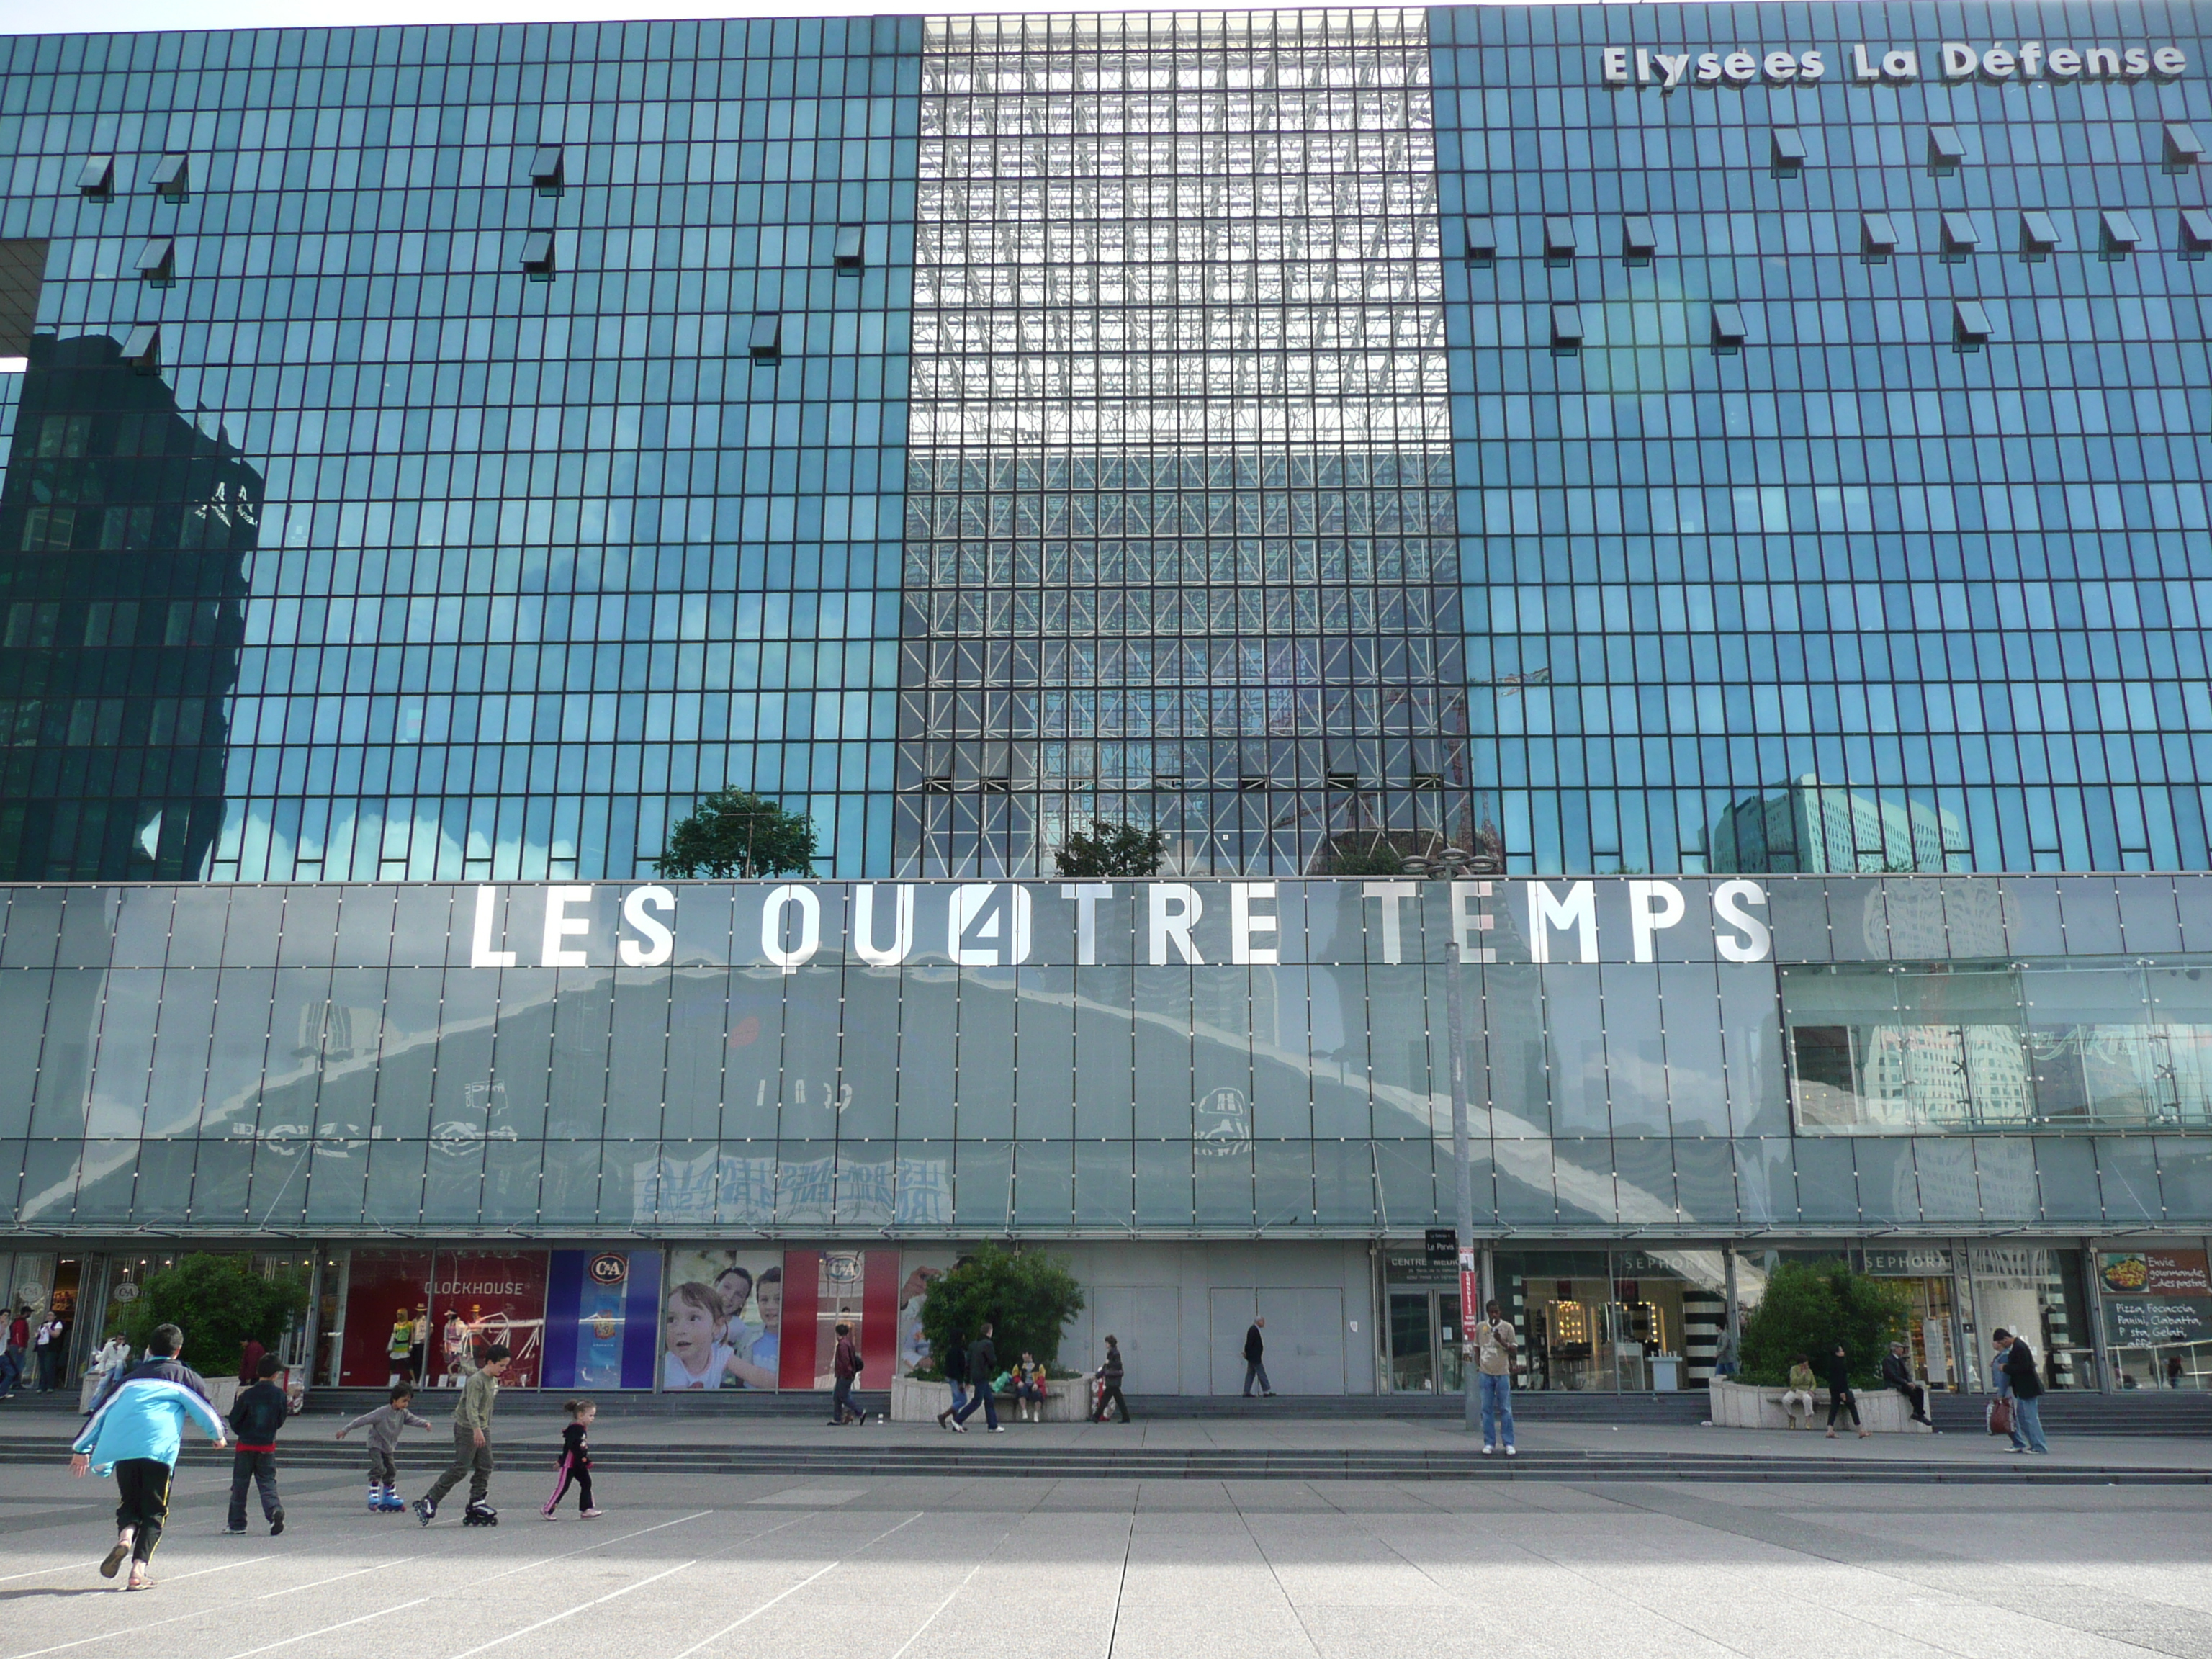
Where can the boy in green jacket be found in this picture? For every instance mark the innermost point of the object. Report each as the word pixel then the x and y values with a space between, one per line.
pixel 471 1444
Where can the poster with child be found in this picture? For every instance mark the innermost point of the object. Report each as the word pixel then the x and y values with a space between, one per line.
pixel 722 1317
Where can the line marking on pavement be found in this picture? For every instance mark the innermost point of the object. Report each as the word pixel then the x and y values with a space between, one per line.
pixel 319 1583
pixel 584 1606
pixel 585 1550
pixel 941 1607
pixel 707 1641
pixel 120 1635
pixel 308 1635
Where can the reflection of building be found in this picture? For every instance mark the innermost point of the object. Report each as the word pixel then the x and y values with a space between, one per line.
pixel 1181 548
pixel 1814 828
pixel 125 528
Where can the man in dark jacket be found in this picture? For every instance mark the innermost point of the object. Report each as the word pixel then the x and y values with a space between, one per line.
pixel 1897 1373
pixel 983 1363
pixel 956 1375
pixel 1109 1383
pixel 1255 1347
pixel 2026 1383
pixel 255 1416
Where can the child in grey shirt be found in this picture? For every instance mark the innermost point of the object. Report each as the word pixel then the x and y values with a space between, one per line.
pixel 384 1425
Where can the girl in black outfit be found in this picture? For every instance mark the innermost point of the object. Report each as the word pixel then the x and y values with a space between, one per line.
pixel 1840 1397
pixel 575 1461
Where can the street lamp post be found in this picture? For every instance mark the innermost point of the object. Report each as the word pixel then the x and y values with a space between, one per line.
pixel 1450 861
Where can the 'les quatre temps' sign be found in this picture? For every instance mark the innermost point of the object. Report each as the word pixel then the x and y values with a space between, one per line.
pixel 1861 64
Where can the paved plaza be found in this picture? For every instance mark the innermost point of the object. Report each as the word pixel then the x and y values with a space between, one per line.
pixel 720 1565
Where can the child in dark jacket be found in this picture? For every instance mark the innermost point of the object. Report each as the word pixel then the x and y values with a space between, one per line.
pixel 575 1462
pixel 259 1412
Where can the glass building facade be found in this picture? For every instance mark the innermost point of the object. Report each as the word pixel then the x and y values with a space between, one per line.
pixel 1731 478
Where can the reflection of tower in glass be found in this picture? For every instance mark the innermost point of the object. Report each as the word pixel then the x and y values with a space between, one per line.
pixel 125 529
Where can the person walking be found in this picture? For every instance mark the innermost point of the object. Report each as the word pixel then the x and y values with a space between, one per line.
pixel 576 1468
pixel 983 1365
pixel 845 1367
pixel 1840 1397
pixel 255 1416
pixel 1495 1345
pixel 1109 1383
pixel 1896 1372
pixel 384 1425
pixel 136 1430
pixel 1255 1347
pixel 16 1356
pixel 471 1444
pixel 955 1374
pixel 2026 1383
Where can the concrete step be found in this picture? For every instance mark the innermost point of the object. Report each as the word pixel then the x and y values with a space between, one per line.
pixel 2132 1412
pixel 851 1458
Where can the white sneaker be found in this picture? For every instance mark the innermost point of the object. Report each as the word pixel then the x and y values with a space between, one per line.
pixel 1510 1452
pixel 1486 1450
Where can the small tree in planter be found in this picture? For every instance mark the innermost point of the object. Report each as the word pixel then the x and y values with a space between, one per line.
pixel 219 1303
pixel 1029 1296
pixel 1811 1306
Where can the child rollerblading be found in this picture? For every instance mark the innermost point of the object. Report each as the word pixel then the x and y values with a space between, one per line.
pixel 471 1444
pixel 384 1424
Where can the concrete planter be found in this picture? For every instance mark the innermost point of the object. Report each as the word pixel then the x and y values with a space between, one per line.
pixel 913 1401
pixel 1745 1406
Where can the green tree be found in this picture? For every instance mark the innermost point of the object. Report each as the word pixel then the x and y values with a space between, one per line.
pixel 218 1302
pixel 1112 849
pixel 1811 1306
pixel 1028 1296
pixel 734 832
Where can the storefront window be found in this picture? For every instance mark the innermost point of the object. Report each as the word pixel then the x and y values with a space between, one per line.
pixel 1426 1346
pixel 2038 1294
pixel 2157 1317
pixel 1923 1272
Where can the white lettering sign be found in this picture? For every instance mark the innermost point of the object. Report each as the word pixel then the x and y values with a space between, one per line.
pixel 1864 64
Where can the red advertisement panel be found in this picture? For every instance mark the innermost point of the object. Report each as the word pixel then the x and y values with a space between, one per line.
pixel 802 1297
pixel 387 1313
pixel 481 1296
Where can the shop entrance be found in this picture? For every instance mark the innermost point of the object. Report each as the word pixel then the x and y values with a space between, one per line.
pixel 1425 1344
pixel 1422 1332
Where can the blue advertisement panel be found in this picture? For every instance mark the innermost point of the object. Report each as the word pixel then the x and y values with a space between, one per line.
pixel 600 1306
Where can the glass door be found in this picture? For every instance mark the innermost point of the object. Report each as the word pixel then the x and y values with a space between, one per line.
pixel 1412 1342
pixel 1451 1342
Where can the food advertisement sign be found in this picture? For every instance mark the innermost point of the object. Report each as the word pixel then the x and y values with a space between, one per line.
pixel 2154 1272
pixel 2160 1323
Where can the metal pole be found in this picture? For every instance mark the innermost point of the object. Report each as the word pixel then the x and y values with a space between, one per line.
pixel 1735 1320
pixel 1455 1028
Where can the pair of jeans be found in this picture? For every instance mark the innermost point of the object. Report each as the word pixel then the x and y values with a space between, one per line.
pixel 2028 1423
pixel 1252 1369
pixel 981 1397
pixel 260 1468
pixel 841 1399
pixel 469 1459
pixel 1496 1408
pixel 11 1369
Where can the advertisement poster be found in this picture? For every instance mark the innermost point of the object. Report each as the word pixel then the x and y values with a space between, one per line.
pixel 602 1318
pixel 2161 1323
pixel 387 1319
pixel 2154 1272
pixel 721 1319
pixel 478 1297
pixel 919 1269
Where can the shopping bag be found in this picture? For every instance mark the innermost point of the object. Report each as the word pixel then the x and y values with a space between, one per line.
pixel 1999 1416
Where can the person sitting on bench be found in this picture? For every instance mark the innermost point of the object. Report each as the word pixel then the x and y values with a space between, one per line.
pixel 1897 1373
pixel 1797 1398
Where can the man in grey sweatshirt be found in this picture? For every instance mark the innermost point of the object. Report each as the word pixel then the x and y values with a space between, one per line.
pixel 384 1425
